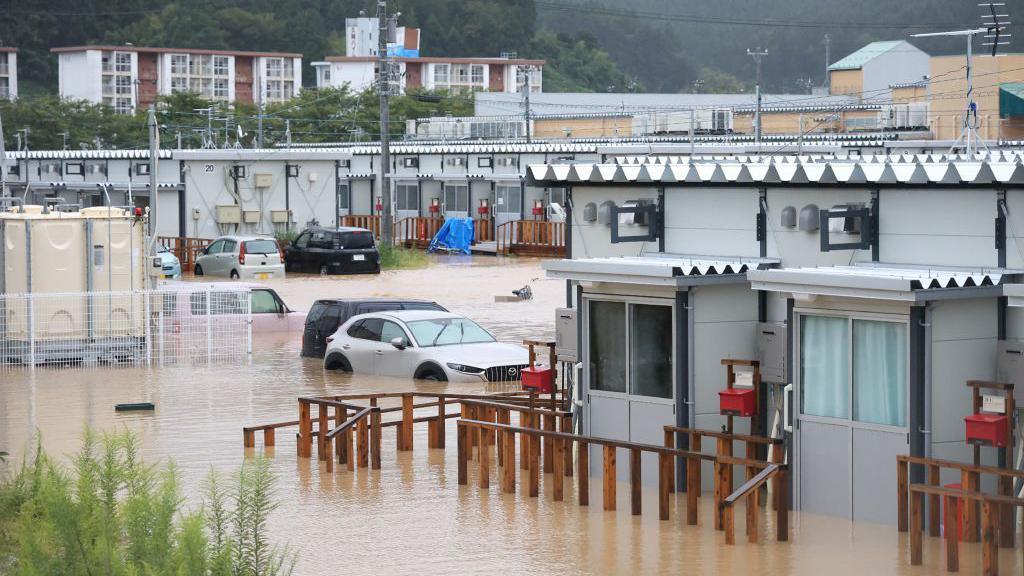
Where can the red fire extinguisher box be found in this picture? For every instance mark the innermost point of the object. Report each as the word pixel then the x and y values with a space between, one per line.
pixel 737 402
pixel 539 378
pixel 987 429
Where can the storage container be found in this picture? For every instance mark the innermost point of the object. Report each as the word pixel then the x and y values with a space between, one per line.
pixel 538 378
pixel 738 402
pixel 987 429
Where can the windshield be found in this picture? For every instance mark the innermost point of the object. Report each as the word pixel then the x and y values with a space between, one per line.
pixel 261 246
pixel 445 331
pixel 356 240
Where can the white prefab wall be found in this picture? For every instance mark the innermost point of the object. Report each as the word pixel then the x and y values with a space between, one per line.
pixel 711 221
pixel 938 226
pixel 593 239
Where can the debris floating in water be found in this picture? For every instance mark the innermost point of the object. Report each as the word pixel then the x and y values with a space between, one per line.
pixel 524 293
pixel 137 406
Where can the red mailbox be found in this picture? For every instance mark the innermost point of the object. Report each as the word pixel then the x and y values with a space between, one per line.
pixel 738 402
pixel 987 429
pixel 539 378
pixel 380 204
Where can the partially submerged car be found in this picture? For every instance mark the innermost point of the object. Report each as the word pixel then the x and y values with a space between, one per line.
pixel 343 250
pixel 423 344
pixel 242 257
pixel 269 312
pixel 326 315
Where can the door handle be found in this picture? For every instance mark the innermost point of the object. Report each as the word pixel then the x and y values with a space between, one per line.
pixel 346 347
pixel 380 352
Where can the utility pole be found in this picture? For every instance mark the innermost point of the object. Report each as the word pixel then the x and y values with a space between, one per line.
pixel 526 71
pixel 386 27
pixel 259 133
pixel 154 153
pixel 3 161
pixel 828 62
pixel 757 54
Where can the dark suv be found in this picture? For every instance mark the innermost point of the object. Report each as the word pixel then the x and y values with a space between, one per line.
pixel 326 315
pixel 333 251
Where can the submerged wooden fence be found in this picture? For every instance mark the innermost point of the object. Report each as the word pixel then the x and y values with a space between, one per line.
pixel 547 445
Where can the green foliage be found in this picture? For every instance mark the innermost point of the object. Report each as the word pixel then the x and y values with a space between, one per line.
pixel 578 65
pixel 112 514
pixel 398 258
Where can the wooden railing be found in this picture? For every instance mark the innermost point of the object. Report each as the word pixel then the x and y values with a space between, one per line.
pixel 531 237
pixel 483 230
pixel 186 249
pixel 370 222
pixel 749 492
pixel 417 231
pixel 988 518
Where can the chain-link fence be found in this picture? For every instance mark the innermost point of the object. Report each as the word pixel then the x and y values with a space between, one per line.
pixel 182 326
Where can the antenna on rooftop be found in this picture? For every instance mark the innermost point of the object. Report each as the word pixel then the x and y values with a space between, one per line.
pixel 995 25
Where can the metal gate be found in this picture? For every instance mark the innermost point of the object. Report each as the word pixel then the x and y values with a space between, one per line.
pixel 186 326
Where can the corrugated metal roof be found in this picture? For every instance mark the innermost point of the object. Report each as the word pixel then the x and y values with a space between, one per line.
pixel 660 269
pixel 85 154
pixel 873 50
pixel 879 281
pixel 783 170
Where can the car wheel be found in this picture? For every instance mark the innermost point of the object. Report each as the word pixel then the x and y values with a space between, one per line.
pixel 198 270
pixel 323 270
pixel 337 362
pixel 234 275
pixel 431 374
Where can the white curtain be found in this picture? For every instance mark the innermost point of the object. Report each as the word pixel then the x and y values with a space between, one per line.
pixel 880 372
pixel 824 366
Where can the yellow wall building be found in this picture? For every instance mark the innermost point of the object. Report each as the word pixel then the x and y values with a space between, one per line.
pixel 948 100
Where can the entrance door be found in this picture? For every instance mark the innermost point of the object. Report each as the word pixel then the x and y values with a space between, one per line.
pixel 344 201
pixel 630 376
pixel 508 205
pixel 456 200
pixel 407 205
pixel 852 416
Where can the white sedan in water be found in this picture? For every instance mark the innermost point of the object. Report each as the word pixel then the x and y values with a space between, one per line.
pixel 424 344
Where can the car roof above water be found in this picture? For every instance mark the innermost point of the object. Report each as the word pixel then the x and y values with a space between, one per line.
pixel 414 315
pixel 338 229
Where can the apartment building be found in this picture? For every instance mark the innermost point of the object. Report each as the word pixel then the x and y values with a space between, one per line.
pixel 130 77
pixel 8 73
pixel 362 36
pixel 435 73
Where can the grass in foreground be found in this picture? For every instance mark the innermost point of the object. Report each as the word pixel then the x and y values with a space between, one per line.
pixel 112 514
pixel 398 258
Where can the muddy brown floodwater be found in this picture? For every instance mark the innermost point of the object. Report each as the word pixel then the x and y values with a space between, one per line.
pixel 412 517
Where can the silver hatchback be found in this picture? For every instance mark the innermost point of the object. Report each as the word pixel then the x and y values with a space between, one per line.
pixel 250 257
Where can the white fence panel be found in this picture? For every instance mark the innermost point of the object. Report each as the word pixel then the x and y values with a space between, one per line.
pixel 153 327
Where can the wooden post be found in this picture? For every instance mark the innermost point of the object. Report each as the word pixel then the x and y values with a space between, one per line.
pixel 321 437
pixel 723 479
pixel 695 447
pixel 777 458
pixel 485 456
pixel 1007 516
pixel 375 437
pixel 439 426
pixel 666 479
pixel 462 449
pixel 567 453
pixel 752 505
pixel 305 431
pixel 670 442
pixel 502 417
pixel 969 483
pixel 508 470
pixel 340 415
pixel 362 442
pixel 728 524
pixel 558 474
pixel 583 473
pixel 916 505
pixel 692 489
pixel 782 514
pixel 635 485
pixel 268 437
pixel 609 478
pixel 902 496
pixel 406 422
pixel 934 502
pixel 549 424
pixel 952 544
pixel 534 466
pixel 526 421
pixel 989 545
pixel 248 438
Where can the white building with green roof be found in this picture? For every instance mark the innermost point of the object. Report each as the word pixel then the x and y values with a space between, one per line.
pixel 868 73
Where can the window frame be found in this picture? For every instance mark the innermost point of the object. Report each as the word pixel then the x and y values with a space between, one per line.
pixel 850 316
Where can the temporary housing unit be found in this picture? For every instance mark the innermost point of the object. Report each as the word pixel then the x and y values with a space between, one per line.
pixel 67 279
pixel 869 289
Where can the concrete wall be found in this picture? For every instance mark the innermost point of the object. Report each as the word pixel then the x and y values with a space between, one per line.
pixel 79 76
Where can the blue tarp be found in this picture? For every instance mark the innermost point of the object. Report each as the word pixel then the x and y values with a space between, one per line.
pixel 456 234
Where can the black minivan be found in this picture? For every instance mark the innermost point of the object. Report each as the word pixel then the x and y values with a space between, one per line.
pixel 326 315
pixel 333 251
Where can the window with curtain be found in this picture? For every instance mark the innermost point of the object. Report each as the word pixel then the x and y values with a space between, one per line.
pixel 880 372
pixel 607 346
pixel 824 366
pixel 650 352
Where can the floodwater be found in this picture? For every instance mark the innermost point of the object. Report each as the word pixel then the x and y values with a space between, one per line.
pixel 412 516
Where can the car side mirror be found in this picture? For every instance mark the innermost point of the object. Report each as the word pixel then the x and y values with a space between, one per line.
pixel 206 250
pixel 398 342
